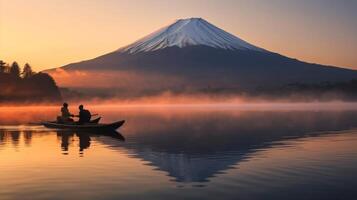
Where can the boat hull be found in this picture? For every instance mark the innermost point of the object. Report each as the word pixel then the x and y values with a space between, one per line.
pixel 87 127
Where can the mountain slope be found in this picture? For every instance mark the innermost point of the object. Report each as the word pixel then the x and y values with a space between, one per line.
pixel 194 54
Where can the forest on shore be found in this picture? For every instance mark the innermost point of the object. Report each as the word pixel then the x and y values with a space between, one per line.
pixel 26 86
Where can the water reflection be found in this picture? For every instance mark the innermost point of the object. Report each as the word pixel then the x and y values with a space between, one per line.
pixel 84 141
pixel 2 136
pixel 84 138
pixel 194 147
pixel 66 137
pixel 27 137
pixel 13 136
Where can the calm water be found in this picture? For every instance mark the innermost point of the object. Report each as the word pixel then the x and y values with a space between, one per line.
pixel 183 153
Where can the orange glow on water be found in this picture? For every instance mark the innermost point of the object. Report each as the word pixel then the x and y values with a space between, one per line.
pixel 164 107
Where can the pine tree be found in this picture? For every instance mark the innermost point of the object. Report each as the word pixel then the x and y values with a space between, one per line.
pixel 27 71
pixel 15 70
pixel 2 66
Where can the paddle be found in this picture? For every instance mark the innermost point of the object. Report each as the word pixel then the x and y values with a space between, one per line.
pixel 34 123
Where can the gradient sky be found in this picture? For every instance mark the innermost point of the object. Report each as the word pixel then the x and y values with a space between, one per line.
pixel 52 33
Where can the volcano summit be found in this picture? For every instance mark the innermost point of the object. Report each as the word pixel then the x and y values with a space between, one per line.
pixel 194 54
pixel 189 32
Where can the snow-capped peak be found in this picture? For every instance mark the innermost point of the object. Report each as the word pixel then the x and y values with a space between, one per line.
pixel 189 32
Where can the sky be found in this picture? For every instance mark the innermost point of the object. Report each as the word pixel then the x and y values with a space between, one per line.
pixel 53 33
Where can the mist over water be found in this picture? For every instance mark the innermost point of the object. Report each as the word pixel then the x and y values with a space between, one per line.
pixel 184 151
pixel 15 114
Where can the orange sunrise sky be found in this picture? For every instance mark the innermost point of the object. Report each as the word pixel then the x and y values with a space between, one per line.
pixel 53 33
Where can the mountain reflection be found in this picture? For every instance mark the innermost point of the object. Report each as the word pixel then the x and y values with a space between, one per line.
pixel 192 147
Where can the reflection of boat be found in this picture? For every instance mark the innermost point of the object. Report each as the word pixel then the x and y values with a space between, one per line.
pixel 109 133
pixel 84 137
pixel 87 126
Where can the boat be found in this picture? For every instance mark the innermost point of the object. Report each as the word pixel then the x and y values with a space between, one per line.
pixel 94 121
pixel 87 126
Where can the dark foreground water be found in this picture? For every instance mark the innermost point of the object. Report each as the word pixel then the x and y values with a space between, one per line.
pixel 183 153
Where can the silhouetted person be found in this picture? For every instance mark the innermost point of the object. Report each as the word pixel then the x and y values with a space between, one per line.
pixel 65 114
pixel 84 115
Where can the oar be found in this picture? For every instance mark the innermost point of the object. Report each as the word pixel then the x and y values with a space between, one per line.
pixel 34 123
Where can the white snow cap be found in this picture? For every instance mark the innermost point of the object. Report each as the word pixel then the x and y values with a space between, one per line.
pixel 189 32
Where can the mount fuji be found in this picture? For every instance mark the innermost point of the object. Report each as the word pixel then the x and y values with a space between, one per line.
pixel 189 32
pixel 194 54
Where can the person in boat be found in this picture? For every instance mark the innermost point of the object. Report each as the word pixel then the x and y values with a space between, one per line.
pixel 84 115
pixel 65 114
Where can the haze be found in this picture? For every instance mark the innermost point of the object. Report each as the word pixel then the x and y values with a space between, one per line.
pixel 53 33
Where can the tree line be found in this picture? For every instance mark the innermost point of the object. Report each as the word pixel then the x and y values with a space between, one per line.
pixel 25 85
pixel 15 70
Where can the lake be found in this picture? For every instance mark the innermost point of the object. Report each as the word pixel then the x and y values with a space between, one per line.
pixel 184 152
